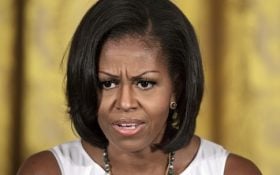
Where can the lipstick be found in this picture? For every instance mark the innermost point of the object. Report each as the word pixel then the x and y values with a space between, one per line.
pixel 128 127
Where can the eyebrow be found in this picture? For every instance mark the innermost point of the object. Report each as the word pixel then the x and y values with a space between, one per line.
pixel 134 77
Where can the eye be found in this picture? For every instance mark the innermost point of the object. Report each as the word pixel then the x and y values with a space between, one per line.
pixel 145 84
pixel 109 84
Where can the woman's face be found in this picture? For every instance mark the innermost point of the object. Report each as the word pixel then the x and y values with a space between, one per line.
pixel 136 91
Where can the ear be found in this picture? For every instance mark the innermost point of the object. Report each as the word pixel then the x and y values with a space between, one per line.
pixel 173 104
pixel 173 99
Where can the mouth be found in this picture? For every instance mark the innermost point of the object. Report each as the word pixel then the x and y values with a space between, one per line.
pixel 128 128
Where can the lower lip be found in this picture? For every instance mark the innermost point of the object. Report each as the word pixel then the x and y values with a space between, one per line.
pixel 128 131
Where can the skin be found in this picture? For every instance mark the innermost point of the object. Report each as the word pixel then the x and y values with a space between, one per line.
pixel 134 90
pixel 138 90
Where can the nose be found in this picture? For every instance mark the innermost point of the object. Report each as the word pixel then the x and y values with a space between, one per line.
pixel 126 99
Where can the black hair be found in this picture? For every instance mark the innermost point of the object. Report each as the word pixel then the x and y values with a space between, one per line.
pixel 166 24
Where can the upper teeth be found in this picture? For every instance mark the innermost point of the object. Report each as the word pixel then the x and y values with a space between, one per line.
pixel 127 125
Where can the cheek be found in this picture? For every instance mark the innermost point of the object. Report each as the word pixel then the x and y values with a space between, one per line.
pixel 103 120
pixel 161 112
pixel 103 112
pixel 157 108
pixel 157 115
pixel 160 99
pixel 157 102
pixel 105 104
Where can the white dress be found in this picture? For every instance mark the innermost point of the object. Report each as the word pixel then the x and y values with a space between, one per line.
pixel 74 160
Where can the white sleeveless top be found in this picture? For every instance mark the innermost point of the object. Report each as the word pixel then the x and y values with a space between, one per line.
pixel 74 160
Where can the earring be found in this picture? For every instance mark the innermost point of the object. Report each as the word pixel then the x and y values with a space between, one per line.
pixel 173 105
pixel 175 120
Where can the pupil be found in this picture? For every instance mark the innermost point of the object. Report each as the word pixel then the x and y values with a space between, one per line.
pixel 107 84
pixel 144 84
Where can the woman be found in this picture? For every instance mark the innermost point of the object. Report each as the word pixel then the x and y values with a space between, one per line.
pixel 134 87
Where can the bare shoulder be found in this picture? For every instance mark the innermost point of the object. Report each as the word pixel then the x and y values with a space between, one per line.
pixel 238 165
pixel 42 163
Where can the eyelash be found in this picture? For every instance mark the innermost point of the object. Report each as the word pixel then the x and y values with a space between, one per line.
pixel 102 84
pixel 138 82
pixel 149 82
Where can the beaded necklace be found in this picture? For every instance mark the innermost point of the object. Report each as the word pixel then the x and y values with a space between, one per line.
pixel 170 167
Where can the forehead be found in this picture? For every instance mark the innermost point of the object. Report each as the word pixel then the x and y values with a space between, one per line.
pixel 135 47
pixel 145 42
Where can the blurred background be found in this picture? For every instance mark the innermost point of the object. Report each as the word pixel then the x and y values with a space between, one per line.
pixel 240 43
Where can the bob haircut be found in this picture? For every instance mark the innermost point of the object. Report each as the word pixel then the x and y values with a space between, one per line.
pixel 160 21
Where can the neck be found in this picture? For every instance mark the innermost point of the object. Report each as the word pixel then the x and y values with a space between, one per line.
pixel 146 161
pixel 137 158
